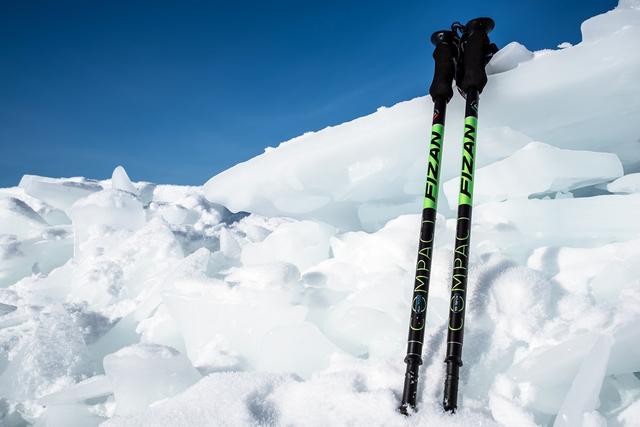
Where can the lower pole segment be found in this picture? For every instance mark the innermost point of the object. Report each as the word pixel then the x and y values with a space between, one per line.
pixel 458 301
pixel 452 376
pixel 417 320
pixel 410 384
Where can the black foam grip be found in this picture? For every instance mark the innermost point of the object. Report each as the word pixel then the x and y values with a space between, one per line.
pixel 445 68
pixel 475 52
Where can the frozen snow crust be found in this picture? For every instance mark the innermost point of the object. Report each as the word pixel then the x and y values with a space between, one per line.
pixel 129 304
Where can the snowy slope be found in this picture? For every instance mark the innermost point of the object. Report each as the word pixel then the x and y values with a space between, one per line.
pixel 132 304
pixel 360 174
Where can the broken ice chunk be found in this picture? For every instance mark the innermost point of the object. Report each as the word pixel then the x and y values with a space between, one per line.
pixel 60 193
pixel 583 394
pixel 21 258
pixel 72 415
pixel 555 170
pixel 574 221
pixel 17 218
pixel 120 181
pixel 553 365
pixel 625 184
pixel 302 243
pixel 114 209
pixel 508 58
pixel 6 309
pixel 90 388
pixel 144 373
pixel 625 353
pixel 299 348
pixel 237 316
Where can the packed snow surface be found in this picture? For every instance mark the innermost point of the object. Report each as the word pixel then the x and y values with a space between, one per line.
pixel 278 293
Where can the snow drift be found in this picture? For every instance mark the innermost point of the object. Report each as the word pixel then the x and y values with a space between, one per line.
pixel 127 304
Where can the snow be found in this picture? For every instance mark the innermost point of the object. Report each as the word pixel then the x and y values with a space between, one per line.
pixel 53 354
pixel 278 292
pixel 225 398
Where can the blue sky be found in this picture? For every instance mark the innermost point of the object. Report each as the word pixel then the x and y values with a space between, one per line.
pixel 177 91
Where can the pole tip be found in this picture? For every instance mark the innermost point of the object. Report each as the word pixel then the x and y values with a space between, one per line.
pixel 406 409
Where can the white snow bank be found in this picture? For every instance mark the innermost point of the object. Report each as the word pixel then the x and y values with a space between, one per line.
pixel 360 174
pixel 365 182
pixel 227 399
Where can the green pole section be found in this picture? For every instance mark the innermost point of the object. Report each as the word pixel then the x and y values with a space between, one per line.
pixel 433 168
pixel 468 158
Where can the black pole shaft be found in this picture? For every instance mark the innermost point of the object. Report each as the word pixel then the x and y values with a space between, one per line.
pixel 423 266
pixel 458 302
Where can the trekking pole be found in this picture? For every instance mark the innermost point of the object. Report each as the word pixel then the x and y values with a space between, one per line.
pixel 445 55
pixel 470 79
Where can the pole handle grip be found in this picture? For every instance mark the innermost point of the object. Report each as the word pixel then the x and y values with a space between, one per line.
pixel 445 56
pixel 476 52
